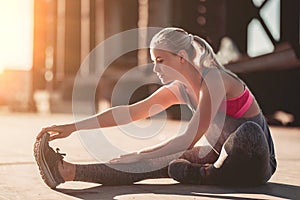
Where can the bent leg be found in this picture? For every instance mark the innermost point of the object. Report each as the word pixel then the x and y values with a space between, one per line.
pixel 200 155
pixel 244 160
pixel 192 165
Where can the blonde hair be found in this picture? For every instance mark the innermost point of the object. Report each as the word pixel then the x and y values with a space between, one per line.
pixel 174 39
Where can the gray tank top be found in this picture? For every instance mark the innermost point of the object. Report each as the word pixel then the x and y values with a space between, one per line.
pixel 229 124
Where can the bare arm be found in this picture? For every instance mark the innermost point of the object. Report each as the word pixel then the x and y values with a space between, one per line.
pixel 211 95
pixel 119 115
pixel 195 130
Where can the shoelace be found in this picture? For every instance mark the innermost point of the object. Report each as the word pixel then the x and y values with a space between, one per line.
pixel 61 155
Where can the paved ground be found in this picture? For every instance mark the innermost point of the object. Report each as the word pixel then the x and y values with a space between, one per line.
pixel 20 177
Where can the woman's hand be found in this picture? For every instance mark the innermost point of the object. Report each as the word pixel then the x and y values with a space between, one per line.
pixel 57 131
pixel 127 158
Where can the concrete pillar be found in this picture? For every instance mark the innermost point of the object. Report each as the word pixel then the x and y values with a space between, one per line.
pixel 72 37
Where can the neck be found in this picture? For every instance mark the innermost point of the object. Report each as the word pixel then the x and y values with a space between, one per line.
pixel 192 80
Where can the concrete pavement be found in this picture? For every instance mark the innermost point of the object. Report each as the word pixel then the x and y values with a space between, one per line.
pixel 20 177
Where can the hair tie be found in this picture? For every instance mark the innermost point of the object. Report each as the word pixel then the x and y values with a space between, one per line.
pixel 191 36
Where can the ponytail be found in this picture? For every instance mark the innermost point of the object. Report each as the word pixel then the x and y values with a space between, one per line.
pixel 208 58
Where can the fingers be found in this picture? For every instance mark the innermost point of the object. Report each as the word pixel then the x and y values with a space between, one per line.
pixel 127 158
pixel 119 160
pixel 47 129
pixel 53 137
pixel 41 133
pixel 129 154
pixel 113 161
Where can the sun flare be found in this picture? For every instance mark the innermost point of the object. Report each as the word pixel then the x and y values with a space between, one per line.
pixel 16 34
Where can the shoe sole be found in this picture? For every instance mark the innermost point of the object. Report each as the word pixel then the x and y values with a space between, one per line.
pixel 41 161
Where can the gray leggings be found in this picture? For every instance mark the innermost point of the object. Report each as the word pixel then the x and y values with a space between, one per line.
pixel 248 162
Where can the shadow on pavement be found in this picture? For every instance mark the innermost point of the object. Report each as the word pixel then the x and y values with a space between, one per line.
pixel 269 190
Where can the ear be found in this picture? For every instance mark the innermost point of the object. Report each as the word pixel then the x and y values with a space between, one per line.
pixel 183 56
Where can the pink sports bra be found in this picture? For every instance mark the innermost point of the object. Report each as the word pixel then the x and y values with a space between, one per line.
pixel 236 107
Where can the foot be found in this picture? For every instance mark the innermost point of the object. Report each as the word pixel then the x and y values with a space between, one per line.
pixel 186 172
pixel 67 170
pixel 47 160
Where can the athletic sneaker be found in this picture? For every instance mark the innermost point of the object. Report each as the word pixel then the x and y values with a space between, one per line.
pixel 186 172
pixel 47 160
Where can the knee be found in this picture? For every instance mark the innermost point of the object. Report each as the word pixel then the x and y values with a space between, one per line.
pixel 251 133
pixel 249 127
pixel 248 138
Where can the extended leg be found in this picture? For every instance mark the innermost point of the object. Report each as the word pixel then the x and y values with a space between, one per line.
pixel 55 171
pixel 123 174
pixel 120 174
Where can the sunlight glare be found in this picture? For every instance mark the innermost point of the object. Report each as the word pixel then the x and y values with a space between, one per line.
pixel 16 34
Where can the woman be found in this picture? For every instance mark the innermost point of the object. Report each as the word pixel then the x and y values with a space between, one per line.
pixel 241 150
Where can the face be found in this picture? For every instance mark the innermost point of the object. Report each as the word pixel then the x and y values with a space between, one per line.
pixel 167 65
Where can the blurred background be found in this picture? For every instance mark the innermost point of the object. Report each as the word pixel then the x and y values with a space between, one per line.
pixel 44 42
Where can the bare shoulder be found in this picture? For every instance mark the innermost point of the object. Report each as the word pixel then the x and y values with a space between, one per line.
pixel 215 85
pixel 234 86
pixel 165 95
pixel 217 80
